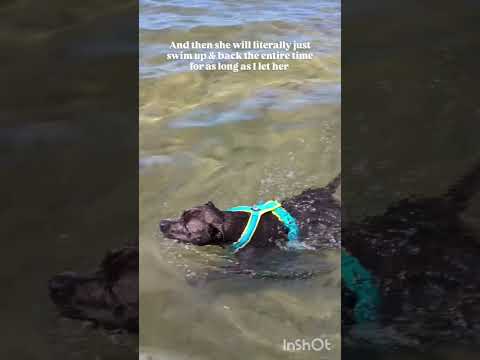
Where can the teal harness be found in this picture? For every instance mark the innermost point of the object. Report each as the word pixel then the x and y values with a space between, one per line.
pixel 356 277
pixel 359 280
pixel 256 213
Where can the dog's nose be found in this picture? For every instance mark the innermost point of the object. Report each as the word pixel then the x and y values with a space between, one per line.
pixel 164 224
pixel 61 286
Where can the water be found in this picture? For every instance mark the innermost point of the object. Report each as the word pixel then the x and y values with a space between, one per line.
pixel 234 138
pixel 61 207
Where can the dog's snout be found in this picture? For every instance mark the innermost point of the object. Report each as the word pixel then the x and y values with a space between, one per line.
pixel 164 225
pixel 61 286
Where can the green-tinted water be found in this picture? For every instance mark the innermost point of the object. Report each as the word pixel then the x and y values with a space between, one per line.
pixel 234 138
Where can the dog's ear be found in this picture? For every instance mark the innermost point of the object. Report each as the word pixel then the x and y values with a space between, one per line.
pixel 211 204
pixel 119 261
pixel 215 232
pixel 219 213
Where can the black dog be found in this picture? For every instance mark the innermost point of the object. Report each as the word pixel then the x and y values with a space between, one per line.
pixel 108 297
pixel 421 255
pixel 426 261
pixel 316 211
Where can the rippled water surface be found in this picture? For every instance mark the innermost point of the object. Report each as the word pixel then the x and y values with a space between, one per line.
pixel 234 138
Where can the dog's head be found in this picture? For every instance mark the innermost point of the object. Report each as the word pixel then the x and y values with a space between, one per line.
pixel 108 297
pixel 201 225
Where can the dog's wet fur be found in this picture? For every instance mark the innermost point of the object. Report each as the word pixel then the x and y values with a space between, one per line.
pixel 108 297
pixel 423 256
pixel 426 261
pixel 317 212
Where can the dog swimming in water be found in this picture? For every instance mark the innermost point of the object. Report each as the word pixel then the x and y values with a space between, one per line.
pixel 106 297
pixel 312 217
pixel 416 261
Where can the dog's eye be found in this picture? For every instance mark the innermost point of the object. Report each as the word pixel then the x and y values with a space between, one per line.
pixel 187 214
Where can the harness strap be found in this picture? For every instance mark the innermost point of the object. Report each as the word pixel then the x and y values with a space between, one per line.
pixel 289 221
pixel 362 284
pixel 256 213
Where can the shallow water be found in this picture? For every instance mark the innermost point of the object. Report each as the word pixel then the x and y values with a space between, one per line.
pixel 234 138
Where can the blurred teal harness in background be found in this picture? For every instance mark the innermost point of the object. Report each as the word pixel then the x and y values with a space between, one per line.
pixel 359 281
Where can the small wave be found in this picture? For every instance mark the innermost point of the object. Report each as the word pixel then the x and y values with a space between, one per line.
pixel 255 106
pixel 154 160
pixel 181 14
pixel 182 10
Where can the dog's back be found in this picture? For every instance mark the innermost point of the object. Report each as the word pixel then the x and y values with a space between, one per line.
pixel 318 213
pixel 425 259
